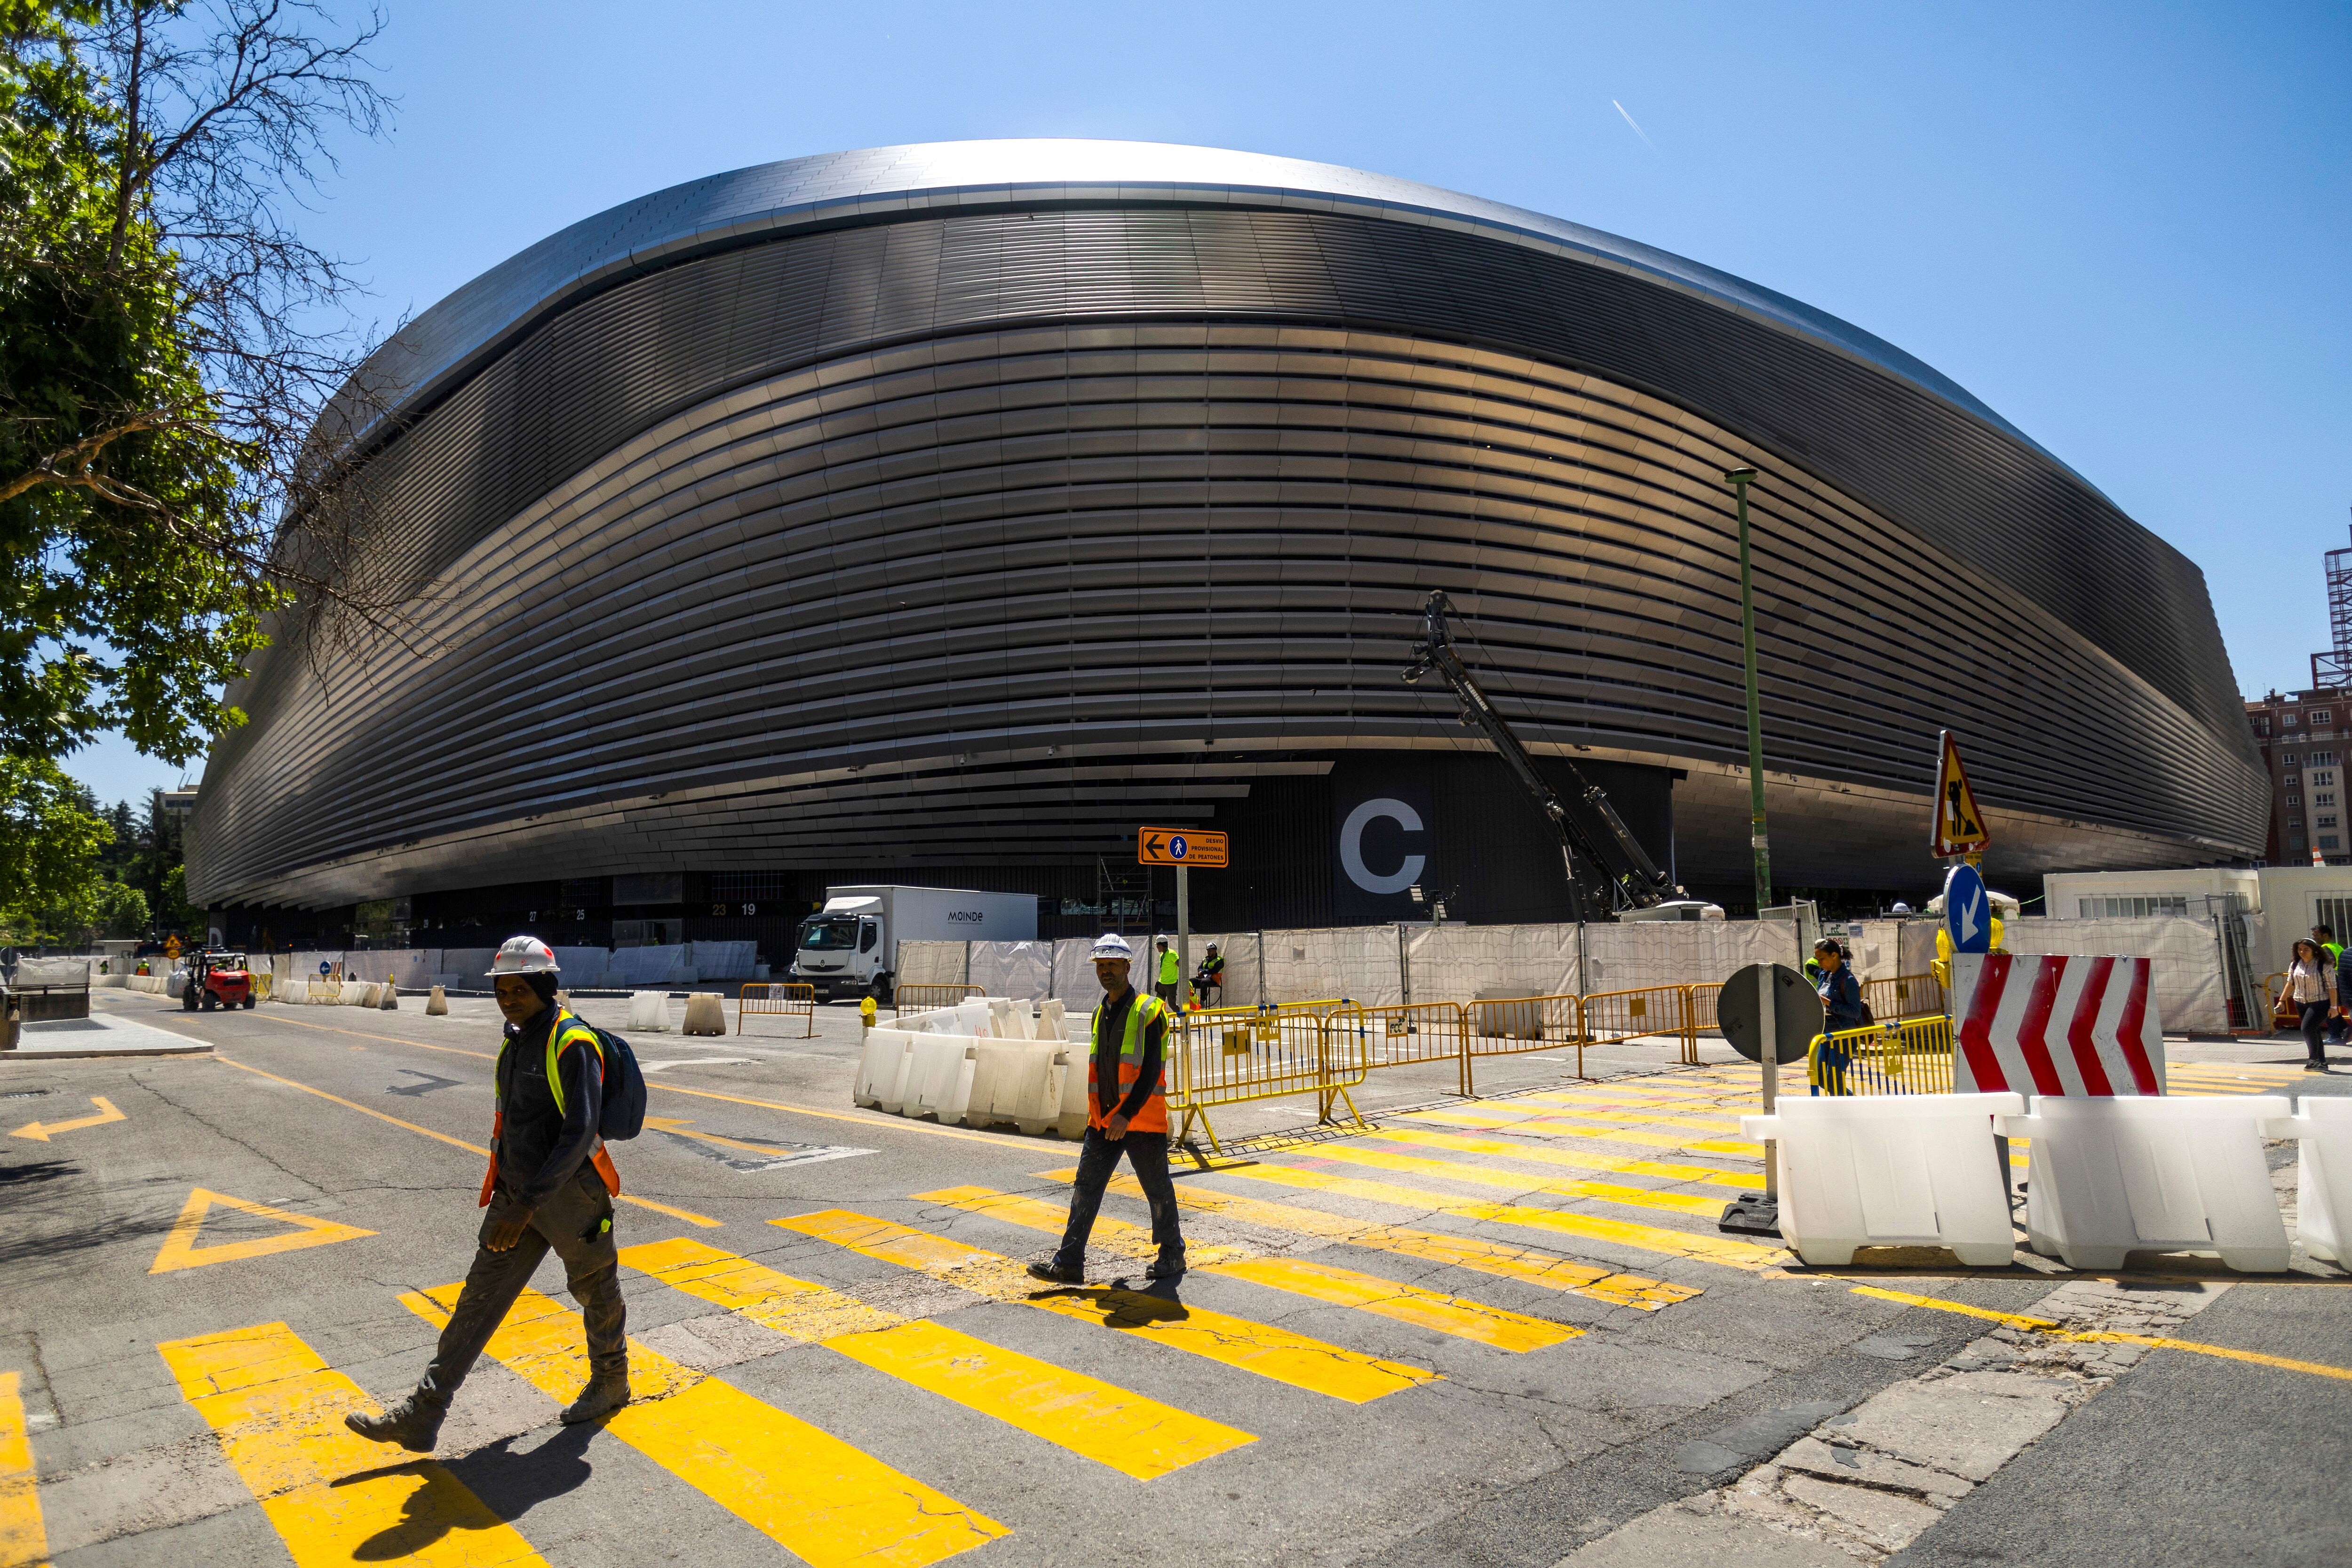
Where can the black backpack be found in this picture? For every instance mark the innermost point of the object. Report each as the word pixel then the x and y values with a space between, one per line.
pixel 625 1088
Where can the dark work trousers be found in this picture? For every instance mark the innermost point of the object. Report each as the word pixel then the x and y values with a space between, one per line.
pixel 2315 1021
pixel 1166 991
pixel 576 1223
pixel 1097 1158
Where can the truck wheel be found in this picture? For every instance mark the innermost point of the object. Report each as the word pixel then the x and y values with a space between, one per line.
pixel 881 991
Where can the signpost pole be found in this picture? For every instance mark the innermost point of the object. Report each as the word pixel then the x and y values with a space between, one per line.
pixel 1768 1019
pixel 1184 935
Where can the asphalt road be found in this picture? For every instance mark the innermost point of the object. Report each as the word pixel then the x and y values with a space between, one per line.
pixel 1430 1346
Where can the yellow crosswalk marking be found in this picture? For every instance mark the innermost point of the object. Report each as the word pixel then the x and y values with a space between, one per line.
pixel 23 1543
pixel 1664 1169
pixel 1109 1235
pixel 1495 1326
pixel 1260 1348
pixel 1599 1108
pixel 801 1487
pixel 1588 1227
pixel 1528 1265
pixel 1132 1434
pixel 1550 1125
pixel 1485 1175
pixel 1324 1282
pixel 332 1495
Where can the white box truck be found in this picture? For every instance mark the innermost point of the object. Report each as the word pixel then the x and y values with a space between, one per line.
pixel 850 948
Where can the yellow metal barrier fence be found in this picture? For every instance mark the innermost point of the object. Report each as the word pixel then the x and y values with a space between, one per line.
pixel 1514 1026
pixel 905 1000
pixel 1221 1058
pixel 789 997
pixel 1904 997
pixel 1910 1058
pixel 1411 1034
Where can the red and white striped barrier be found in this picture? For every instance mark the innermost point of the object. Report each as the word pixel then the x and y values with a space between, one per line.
pixel 2053 1024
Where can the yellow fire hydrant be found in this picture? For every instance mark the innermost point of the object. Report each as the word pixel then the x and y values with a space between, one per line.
pixel 867 1010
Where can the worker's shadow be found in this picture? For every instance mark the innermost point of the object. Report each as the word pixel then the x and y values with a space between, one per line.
pixel 508 1485
pixel 1129 1306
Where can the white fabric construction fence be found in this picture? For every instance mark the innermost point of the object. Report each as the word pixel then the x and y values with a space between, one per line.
pixel 1035 971
pixel 2189 989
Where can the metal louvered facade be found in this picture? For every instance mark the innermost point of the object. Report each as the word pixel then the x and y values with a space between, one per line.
pixel 827 516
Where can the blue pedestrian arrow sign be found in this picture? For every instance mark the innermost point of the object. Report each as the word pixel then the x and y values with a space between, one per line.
pixel 1968 912
pixel 325 967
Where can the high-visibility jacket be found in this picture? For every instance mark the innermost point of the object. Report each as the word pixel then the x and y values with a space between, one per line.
pixel 565 1032
pixel 1169 973
pixel 1153 1117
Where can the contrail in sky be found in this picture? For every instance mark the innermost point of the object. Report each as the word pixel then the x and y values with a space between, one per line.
pixel 1637 129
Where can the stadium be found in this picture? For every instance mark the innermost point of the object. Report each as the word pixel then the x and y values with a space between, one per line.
pixel 939 514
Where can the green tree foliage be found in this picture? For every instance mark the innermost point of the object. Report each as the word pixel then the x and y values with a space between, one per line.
pixel 51 835
pixel 167 343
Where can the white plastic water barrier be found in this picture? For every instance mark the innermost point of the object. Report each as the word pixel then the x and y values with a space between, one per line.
pixel 938 1076
pixel 2107 1177
pixel 649 1011
pixel 2323 1173
pixel 882 1069
pixel 1903 1170
pixel 2048 1024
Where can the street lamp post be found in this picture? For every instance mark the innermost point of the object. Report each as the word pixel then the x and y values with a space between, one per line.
pixel 1740 479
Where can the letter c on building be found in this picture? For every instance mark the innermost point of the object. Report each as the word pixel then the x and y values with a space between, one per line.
pixel 1351 847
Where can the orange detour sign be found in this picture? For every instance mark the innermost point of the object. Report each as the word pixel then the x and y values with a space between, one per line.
pixel 1959 826
pixel 1180 846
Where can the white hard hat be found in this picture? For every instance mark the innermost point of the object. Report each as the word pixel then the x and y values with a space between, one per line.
pixel 524 956
pixel 1111 944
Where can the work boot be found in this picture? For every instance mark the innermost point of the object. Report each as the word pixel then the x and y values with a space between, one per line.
pixel 413 1423
pixel 1165 1268
pixel 1054 1274
pixel 606 1392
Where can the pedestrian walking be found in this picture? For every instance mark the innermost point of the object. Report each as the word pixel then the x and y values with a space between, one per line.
pixel 1170 977
pixel 1126 1113
pixel 2311 987
pixel 1842 1008
pixel 2331 955
pixel 549 1188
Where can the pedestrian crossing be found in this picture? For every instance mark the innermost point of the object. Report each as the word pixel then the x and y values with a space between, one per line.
pixel 1585 1194
pixel 2234 1077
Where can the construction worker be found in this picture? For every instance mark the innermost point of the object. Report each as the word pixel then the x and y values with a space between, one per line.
pixel 1170 977
pixel 1127 1111
pixel 549 1187
pixel 1211 979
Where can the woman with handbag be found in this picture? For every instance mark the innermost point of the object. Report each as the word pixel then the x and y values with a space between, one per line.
pixel 2311 987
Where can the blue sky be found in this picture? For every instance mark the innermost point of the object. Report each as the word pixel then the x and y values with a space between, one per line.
pixel 2127 228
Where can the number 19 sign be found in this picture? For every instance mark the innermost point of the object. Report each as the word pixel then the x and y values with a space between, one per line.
pixel 1180 846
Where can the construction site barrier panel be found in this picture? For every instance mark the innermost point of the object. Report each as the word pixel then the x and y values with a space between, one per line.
pixel 790 998
pixel 1913 1057
pixel 1221 1060
pixel 905 1000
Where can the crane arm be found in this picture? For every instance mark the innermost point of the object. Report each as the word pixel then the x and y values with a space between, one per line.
pixel 1639 882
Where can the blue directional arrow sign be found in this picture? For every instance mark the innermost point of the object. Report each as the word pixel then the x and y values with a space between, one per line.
pixel 1968 912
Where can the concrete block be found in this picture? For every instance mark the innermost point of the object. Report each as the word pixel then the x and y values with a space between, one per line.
pixel 437 1006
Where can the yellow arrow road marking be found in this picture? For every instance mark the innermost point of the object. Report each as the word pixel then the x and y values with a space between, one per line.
pixel 40 1132
pixel 678 1126
pixel 179 1250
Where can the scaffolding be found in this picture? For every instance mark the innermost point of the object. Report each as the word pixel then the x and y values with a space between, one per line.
pixel 2332 671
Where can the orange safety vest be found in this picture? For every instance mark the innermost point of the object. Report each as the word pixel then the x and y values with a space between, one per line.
pixel 566 1030
pixel 1153 1117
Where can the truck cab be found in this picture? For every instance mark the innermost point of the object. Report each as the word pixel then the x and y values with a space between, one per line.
pixel 842 950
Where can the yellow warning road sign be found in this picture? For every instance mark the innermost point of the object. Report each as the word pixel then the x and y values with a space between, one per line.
pixel 1181 846
pixel 1959 826
pixel 179 1250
